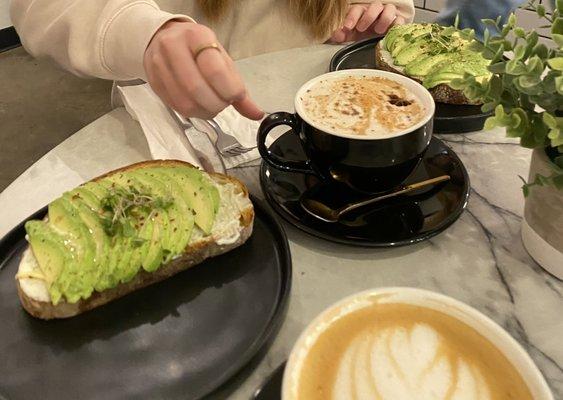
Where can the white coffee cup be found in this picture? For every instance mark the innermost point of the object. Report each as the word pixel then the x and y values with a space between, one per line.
pixel 486 327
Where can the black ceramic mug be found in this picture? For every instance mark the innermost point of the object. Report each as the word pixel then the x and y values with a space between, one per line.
pixel 365 163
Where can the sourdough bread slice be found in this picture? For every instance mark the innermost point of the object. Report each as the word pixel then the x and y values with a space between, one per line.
pixel 441 93
pixel 232 227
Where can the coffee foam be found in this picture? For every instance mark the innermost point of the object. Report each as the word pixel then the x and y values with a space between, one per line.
pixel 367 106
pixel 402 352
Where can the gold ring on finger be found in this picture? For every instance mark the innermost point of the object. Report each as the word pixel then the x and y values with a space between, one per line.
pixel 202 48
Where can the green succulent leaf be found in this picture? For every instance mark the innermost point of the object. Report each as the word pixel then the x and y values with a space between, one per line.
pixel 554 134
pixel 540 50
pixel 516 67
pixel 558 39
pixel 556 63
pixel 486 37
pixel 559 84
pixel 532 38
pixel 549 120
pixel 529 81
pixel 490 22
pixel 535 65
pixel 495 87
pixel 488 107
pixel 519 51
pixel 557 26
pixel 540 10
pixel 511 20
pixel 519 32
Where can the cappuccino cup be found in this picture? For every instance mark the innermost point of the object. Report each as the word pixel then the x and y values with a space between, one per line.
pixel 366 128
pixel 406 344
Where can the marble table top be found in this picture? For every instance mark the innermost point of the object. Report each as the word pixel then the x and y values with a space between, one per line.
pixel 479 260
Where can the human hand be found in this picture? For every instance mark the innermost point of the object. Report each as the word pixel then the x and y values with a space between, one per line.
pixel 367 20
pixel 195 86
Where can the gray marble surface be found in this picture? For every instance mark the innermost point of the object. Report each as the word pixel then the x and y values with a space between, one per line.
pixel 479 260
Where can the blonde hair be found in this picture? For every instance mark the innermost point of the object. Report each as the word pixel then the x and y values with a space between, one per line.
pixel 322 17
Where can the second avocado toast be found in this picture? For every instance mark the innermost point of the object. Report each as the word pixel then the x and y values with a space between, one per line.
pixel 433 55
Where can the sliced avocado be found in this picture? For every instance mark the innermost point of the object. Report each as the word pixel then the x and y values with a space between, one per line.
pixel 109 276
pixel 412 52
pixel 130 265
pixel 437 79
pixel 423 66
pixel 406 33
pixel 197 194
pixel 120 251
pixel 65 220
pixel 134 250
pixel 180 212
pixel 94 225
pixel 154 186
pixel 155 254
pixel 215 196
pixel 124 264
pixel 50 252
pixel 86 196
pixel 98 188
pixel 418 35
pixel 396 32
pixel 454 70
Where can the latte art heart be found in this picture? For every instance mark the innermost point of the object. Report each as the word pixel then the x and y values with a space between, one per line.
pixel 397 364
pixel 394 351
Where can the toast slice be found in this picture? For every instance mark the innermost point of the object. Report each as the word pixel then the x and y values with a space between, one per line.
pixel 441 93
pixel 231 228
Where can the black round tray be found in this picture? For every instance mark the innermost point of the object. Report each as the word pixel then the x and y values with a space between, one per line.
pixel 449 118
pixel 178 339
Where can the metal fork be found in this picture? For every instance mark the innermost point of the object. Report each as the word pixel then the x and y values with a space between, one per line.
pixel 227 145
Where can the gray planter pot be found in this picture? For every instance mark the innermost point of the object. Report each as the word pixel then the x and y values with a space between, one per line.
pixel 542 227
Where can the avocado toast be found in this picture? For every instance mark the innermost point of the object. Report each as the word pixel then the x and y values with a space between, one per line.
pixel 126 230
pixel 433 55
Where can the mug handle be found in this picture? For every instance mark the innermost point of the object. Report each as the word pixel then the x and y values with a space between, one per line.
pixel 269 123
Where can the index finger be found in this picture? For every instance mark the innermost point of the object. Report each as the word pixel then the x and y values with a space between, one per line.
pixel 248 108
pixel 218 73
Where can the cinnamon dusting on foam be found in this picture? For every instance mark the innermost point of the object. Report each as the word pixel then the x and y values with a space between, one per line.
pixel 398 351
pixel 363 106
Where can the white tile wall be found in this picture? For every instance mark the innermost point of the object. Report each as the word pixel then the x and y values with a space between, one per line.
pixel 427 11
pixel 435 5
pixel 529 20
pixel 423 15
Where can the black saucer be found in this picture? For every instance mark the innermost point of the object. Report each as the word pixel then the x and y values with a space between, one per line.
pixel 449 118
pixel 399 221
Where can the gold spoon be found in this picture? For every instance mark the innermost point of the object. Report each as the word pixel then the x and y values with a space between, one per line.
pixel 323 212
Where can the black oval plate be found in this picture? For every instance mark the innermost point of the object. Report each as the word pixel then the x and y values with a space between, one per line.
pixel 399 221
pixel 449 118
pixel 178 339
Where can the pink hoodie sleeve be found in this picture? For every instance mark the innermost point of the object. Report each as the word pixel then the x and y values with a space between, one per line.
pixel 102 38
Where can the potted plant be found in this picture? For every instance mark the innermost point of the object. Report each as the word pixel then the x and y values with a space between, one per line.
pixel 526 93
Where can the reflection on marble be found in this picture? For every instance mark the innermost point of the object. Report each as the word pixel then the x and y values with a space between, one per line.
pixel 479 260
